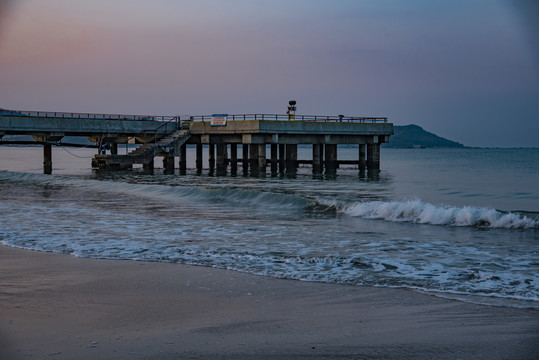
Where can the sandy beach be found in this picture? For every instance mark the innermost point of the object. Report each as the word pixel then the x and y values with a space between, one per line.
pixel 55 306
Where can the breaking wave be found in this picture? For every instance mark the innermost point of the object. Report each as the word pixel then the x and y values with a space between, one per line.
pixel 419 212
pixel 413 211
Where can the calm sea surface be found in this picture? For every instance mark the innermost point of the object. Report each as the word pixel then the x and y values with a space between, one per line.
pixel 462 224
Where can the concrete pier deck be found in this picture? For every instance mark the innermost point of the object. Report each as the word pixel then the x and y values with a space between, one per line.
pixel 167 136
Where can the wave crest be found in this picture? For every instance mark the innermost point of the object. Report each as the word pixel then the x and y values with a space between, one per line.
pixel 419 212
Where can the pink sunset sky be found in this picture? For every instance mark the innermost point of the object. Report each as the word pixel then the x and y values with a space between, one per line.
pixel 467 70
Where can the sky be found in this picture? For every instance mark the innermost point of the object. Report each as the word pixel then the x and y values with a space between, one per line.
pixel 467 70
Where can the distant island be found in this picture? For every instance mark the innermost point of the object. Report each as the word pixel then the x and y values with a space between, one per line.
pixel 413 136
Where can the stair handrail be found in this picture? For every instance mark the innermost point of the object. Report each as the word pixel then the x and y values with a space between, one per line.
pixel 156 145
pixel 175 118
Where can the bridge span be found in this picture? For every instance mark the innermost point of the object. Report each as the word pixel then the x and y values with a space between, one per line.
pixel 219 134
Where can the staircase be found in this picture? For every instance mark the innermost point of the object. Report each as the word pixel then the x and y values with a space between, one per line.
pixel 169 144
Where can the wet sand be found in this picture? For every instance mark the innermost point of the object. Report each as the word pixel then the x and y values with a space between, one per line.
pixel 55 306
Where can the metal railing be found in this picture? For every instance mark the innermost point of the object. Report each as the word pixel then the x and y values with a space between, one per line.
pixel 280 117
pixel 68 115
pixel 169 118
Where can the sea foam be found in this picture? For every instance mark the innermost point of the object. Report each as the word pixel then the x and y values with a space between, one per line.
pixel 419 212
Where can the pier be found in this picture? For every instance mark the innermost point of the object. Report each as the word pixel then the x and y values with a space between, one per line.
pixel 252 141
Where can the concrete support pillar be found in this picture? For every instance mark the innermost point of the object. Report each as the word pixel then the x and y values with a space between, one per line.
pixel 282 157
pixel 336 156
pixel 322 157
pixel 221 158
pixel 148 166
pixel 331 158
pixel 47 159
pixel 318 156
pixel 291 158
pixel 362 154
pixel 262 158
pixel 199 156
pixel 373 156
pixel 233 158
pixel 211 156
pixel 183 158
pixel 253 157
pixel 245 158
pixel 114 148
pixel 168 163
pixel 274 158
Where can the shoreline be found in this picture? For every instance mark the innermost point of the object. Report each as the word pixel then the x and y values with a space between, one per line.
pixel 58 306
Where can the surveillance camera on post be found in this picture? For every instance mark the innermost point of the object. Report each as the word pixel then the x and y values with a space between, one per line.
pixel 291 112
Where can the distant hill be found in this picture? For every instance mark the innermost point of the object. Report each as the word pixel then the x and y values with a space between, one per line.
pixel 413 136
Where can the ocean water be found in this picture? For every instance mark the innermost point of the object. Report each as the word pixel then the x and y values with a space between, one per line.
pixel 462 224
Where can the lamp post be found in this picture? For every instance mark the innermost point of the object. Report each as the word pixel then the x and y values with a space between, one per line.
pixel 291 112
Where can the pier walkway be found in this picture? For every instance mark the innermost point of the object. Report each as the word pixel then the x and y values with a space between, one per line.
pixel 220 134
